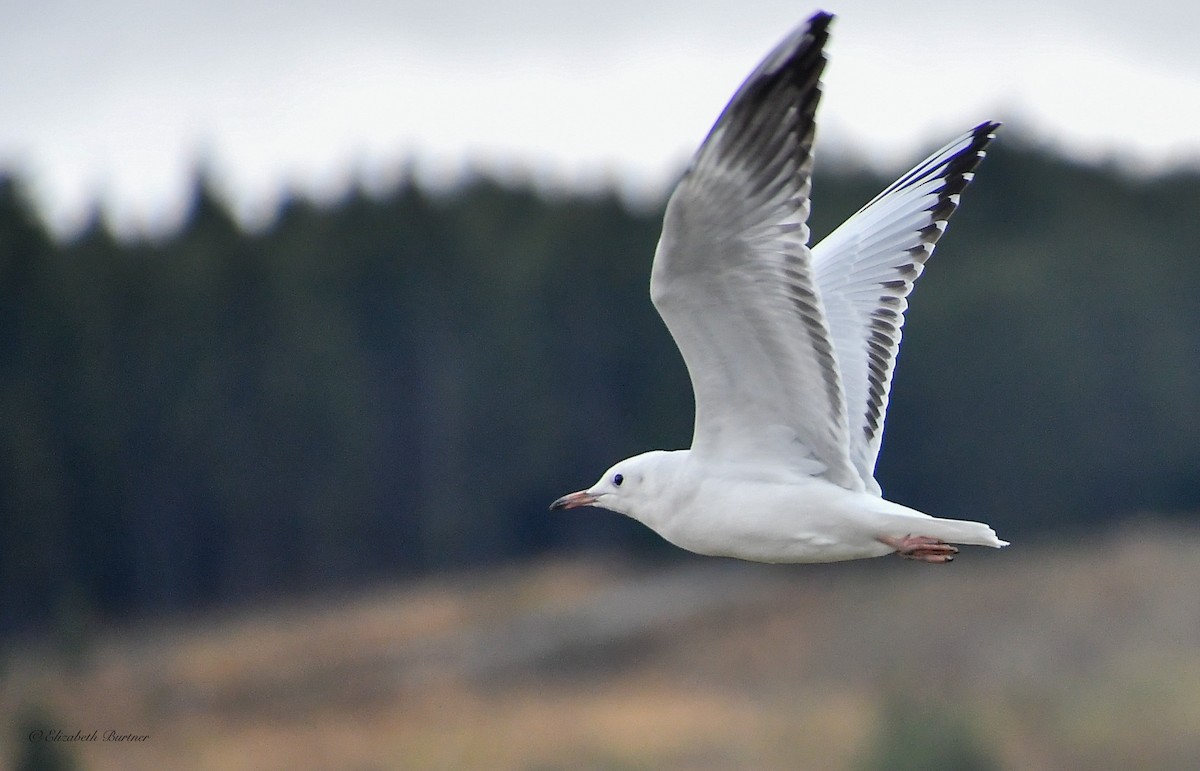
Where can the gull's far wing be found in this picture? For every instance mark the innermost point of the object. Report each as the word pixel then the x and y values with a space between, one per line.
pixel 865 270
pixel 733 278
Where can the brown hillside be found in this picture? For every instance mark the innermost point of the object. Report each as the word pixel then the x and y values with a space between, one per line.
pixel 1043 656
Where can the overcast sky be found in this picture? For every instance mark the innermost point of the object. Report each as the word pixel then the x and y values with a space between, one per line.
pixel 118 100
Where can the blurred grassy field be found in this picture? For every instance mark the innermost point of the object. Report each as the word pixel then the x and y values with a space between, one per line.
pixel 1043 656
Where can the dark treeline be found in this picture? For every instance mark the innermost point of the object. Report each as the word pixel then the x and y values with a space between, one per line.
pixel 401 383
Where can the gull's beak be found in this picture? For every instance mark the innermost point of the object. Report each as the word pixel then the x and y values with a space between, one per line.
pixel 581 498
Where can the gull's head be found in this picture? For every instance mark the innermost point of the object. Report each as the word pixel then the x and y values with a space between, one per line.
pixel 630 487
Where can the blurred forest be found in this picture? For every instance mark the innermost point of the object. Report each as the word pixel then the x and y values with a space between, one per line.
pixel 401 382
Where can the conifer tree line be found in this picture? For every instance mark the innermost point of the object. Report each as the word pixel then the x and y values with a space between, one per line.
pixel 400 383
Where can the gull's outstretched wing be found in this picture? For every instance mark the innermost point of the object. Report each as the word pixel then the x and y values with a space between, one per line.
pixel 865 269
pixel 733 278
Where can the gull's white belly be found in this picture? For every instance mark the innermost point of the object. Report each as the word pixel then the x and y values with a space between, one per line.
pixel 810 521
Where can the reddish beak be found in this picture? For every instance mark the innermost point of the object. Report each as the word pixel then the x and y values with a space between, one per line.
pixel 581 498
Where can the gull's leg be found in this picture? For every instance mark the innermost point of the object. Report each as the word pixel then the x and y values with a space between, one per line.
pixel 919 547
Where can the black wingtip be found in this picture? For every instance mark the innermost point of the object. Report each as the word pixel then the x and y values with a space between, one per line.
pixel 959 170
pixel 787 78
pixel 981 136
pixel 820 18
pixel 818 27
pixel 799 59
pixel 956 168
pixel 984 132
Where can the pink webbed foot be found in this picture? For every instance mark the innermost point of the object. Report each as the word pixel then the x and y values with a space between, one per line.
pixel 921 548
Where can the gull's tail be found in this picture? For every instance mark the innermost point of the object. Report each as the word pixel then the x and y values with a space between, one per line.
pixel 961 531
pixel 949 530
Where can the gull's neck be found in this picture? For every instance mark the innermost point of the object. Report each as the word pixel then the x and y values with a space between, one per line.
pixel 666 488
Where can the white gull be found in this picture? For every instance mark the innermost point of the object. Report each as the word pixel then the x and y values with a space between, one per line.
pixel 790 349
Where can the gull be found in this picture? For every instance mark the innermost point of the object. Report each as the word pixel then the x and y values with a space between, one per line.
pixel 790 349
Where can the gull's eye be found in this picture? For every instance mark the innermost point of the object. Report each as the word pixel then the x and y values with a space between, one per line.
pixel 618 479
